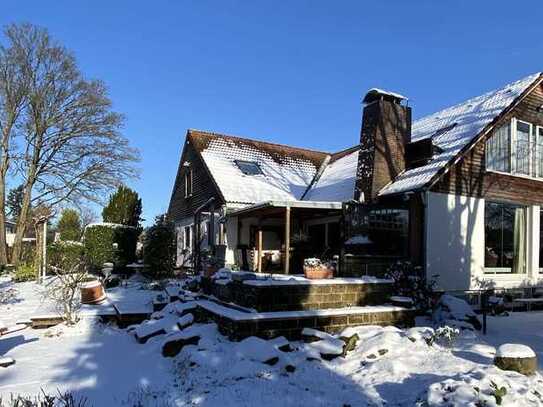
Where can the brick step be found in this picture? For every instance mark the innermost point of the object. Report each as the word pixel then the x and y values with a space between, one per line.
pixel 297 295
pixel 239 325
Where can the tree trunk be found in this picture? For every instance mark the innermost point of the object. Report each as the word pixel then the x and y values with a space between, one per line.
pixel 3 245
pixel 22 224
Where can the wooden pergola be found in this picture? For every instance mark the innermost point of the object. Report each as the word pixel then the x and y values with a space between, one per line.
pixel 284 210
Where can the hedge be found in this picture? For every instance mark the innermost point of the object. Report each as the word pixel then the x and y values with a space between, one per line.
pixel 65 254
pixel 99 244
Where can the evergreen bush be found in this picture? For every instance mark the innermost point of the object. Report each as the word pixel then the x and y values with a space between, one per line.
pixel 159 249
pixel 61 254
pixel 110 243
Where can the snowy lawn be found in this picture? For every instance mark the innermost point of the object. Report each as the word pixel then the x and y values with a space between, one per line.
pixel 388 366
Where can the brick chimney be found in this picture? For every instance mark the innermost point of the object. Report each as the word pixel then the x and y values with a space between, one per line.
pixel 386 129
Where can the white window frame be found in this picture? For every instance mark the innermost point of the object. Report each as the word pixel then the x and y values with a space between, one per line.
pixel 537 152
pixel 533 149
pixel 513 148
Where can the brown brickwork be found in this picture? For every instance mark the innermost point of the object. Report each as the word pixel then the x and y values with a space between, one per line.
pixel 386 128
pixel 291 328
pixel 302 297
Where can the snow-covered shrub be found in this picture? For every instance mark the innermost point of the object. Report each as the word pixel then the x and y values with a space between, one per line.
pixel 110 243
pixel 456 312
pixel 445 335
pixel 66 399
pixel 409 282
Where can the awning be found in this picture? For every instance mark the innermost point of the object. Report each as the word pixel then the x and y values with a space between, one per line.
pixel 271 205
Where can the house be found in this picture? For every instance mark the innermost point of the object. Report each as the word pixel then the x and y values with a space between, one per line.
pixel 457 192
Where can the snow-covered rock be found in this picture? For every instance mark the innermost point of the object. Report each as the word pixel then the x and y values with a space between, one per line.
pixel 516 357
pixel 456 312
pixel 257 349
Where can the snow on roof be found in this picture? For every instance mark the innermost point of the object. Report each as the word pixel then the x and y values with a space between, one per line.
pixel 285 176
pixel 471 117
pixel 337 180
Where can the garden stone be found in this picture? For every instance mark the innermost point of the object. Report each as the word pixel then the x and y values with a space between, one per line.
pixel 6 362
pixel 173 346
pixel 519 358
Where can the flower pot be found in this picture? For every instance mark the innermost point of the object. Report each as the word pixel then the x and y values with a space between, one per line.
pixel 92 292
pixel 315 273
pixel 210 270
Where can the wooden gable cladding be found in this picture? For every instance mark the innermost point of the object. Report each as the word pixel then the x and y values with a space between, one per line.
pixel 469 177
pixel 203 187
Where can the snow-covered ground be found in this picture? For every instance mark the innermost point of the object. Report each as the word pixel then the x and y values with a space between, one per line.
pixel 388 367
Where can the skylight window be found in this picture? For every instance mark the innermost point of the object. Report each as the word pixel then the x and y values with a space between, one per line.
pixel 249 167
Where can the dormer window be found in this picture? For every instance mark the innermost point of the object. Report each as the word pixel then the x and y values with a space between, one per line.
pixel 249 167
pixel 516 148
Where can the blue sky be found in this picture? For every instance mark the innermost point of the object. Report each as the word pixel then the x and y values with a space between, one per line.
pixel 289 72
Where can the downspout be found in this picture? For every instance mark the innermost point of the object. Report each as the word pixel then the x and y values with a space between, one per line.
pixel 197 212
pixel 424 201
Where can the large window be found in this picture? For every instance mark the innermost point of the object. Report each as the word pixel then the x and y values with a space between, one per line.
pixel 505 238
pixel 377 231
pixel 516 148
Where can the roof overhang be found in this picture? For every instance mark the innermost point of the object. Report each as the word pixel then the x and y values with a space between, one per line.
pixel 307 205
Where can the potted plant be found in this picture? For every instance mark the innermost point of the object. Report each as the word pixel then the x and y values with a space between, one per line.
pixel 315 269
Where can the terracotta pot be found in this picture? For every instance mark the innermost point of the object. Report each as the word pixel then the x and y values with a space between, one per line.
pixel 209 271
pixel 92 292
pixel 315 273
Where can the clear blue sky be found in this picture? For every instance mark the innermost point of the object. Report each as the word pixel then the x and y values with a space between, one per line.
pixel 290 72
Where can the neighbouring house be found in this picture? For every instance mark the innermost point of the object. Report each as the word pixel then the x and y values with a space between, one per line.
pixel 457 192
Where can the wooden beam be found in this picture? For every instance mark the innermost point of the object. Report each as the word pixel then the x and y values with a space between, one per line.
pixel 259 251
pixel 287 240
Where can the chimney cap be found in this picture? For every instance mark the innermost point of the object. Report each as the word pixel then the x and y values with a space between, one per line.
pixel 378 94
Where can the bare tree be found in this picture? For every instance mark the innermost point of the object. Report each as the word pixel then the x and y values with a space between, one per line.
pixel 73 149
pixel 64 288
pixel 12 101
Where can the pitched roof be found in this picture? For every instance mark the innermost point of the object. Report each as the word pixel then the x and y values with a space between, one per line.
pixel 289 171
pixel 286 171
pixel 337 181
pixel 469 119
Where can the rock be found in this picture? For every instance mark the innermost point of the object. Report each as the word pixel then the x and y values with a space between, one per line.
pixel 149 329
pixel 257 349
pixel 173 345
pixel 450 308
pixel 6 362
pixel 350 343
pixel 271 361
pixel 185 321
pixel 519 358
pixel 290 368
pixel 313 335
pixel 281 343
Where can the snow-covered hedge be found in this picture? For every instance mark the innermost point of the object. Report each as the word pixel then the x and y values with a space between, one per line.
pixel 110 242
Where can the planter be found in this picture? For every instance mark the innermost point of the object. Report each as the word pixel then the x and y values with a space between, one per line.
pixel 209 271
pixel 92 292
pixel 317 273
